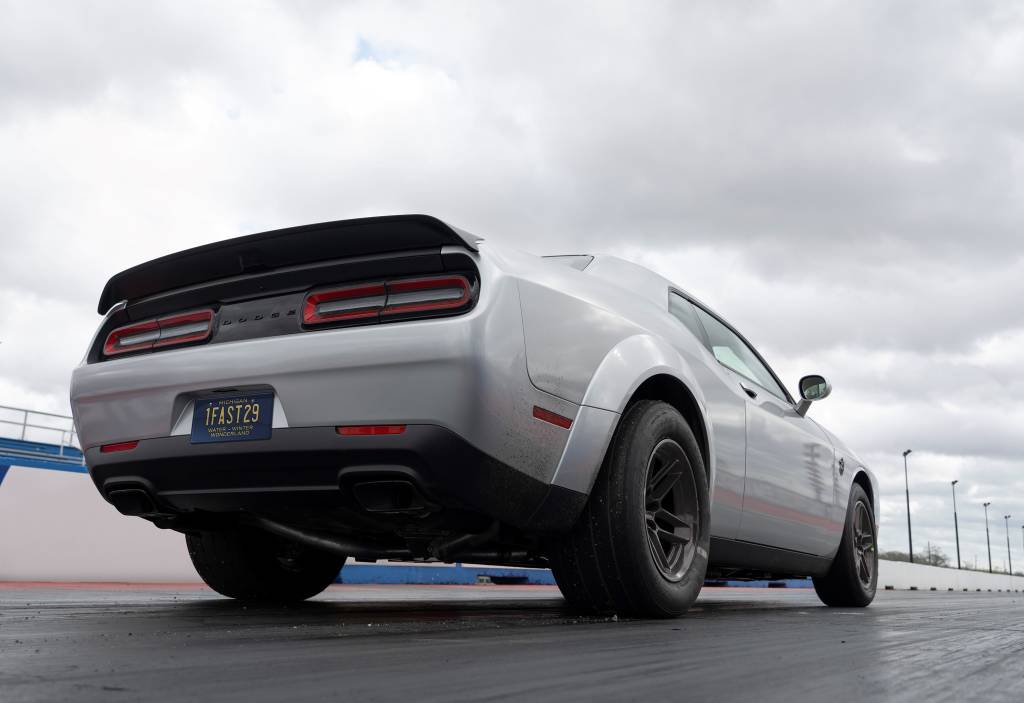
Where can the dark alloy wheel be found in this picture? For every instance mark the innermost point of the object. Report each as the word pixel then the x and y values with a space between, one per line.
pixel 671 509
pixel 641 545
pixel 864 544
pixel 853 577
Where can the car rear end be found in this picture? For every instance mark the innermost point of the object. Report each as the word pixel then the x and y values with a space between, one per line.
pixel 364 378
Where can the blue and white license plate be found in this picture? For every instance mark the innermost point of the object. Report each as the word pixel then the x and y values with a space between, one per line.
pixel 233 419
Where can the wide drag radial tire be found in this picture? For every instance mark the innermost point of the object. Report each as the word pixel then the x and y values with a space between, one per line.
pixel 255 566
pixel 640 547
pixel 853 576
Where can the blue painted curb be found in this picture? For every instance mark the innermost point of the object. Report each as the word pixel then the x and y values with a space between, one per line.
pixel 441 575
pixel 458 575
pixel 778 583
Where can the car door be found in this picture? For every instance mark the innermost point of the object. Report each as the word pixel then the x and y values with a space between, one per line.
pixel 789 489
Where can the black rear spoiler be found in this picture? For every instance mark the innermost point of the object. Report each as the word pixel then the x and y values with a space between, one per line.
pixel 280 248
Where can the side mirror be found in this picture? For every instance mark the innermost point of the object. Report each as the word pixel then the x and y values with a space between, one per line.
pixel 812 388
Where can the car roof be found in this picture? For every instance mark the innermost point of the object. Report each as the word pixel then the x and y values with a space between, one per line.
pixel 639 279
pixel 646 283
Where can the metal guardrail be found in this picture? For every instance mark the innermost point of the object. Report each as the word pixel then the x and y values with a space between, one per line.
pixel 38 426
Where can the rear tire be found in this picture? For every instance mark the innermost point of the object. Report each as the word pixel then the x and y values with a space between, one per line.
pixel 641 545
pixel 255 566
pixel 853 577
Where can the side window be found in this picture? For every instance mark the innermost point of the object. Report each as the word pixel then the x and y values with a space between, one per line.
pixel 684 311
pixel 732 352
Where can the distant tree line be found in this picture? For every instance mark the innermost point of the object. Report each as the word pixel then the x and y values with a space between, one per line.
pixel 933 557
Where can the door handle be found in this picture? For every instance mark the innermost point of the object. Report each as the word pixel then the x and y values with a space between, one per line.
pixel 749 391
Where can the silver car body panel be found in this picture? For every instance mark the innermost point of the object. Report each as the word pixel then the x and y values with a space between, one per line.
pixel 790 480
pixel 577 343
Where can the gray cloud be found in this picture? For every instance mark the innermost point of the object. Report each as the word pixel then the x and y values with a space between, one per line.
pixel 842 181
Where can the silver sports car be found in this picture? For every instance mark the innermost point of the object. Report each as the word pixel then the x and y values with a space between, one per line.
pixel 396 388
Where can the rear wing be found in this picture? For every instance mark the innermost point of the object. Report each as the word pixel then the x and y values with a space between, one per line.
pixel 282 248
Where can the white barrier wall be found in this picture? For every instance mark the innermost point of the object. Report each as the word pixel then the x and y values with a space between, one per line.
pixel 903 576
pixel 54 526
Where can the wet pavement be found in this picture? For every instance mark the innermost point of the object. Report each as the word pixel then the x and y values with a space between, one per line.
pixel 454 643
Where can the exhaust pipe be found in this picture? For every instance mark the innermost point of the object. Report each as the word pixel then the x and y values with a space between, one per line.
pixel 364 549
pixel 132 501
pixel 447 551
pixel 461 547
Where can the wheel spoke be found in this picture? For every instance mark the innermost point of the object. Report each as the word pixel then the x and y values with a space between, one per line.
pixel 656 547
pixel 673 537
pixel 672 519
pixel 865 569
pixel 663 480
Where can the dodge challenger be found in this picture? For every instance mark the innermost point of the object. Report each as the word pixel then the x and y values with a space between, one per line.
pixel 397 388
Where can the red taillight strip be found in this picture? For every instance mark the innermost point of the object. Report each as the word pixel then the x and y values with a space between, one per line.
pixel 118 447
pixel 145 334
pixel 459 285
pixel 187 327
pixel 368 430
pixel 162 332
pixel 554 418
pixel 352 303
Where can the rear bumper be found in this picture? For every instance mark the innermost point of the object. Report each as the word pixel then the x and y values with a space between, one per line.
pixel 313 469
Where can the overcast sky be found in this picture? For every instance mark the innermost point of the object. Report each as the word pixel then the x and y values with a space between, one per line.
pixel 843 182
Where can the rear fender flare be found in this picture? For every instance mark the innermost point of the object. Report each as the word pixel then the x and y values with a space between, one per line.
pixel 622 371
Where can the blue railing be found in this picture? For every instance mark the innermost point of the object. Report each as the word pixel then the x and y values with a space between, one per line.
pixel 41 440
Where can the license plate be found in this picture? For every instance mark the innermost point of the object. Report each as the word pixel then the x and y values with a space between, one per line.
pixel 233 419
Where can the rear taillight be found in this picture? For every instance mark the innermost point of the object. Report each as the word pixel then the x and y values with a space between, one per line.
pixel 188 327
pixel 339 304
pixel 132 338
pixel 167 331
pixel 427 295
pixel 374 301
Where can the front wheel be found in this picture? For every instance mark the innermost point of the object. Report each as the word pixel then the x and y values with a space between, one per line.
pixel 641 545
pixel 853 577
pixel 256 566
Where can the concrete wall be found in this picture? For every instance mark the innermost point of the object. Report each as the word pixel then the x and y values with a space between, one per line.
pixel 54 526
pixel 902 576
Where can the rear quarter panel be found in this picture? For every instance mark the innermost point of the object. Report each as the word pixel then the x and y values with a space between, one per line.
pixel 593 342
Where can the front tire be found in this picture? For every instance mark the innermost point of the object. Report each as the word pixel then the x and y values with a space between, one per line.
pixel 641 545
pixel 251 565
pixel 853 577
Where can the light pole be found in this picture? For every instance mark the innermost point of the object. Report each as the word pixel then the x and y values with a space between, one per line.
pixel 1009 559
pixel 956 525
pixel 987 540
pixel 906 479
